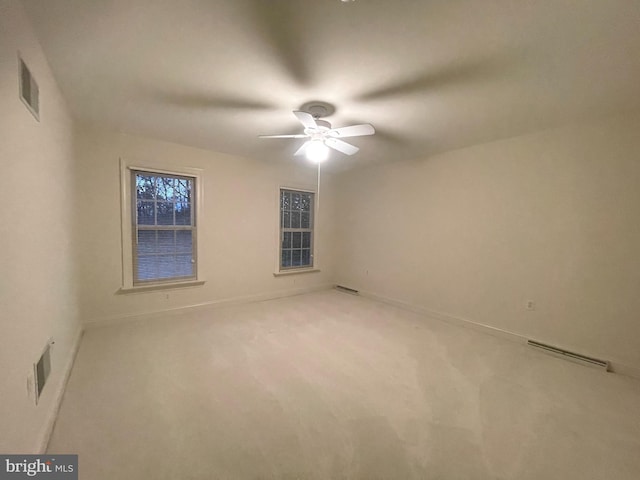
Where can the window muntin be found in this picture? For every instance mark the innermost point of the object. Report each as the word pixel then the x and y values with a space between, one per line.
pixel 296 229
pixel 164 227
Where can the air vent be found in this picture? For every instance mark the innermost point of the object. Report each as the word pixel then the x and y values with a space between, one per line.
pixel 29 92
pixel 41 370
pixel 344 289
pixel 575 357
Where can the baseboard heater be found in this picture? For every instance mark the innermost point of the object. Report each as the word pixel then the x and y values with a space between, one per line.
pixel 576 357
pixel 344 289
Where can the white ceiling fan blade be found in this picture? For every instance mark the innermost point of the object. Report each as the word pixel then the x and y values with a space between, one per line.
pixel 302 148
pixel 341 146
pixel 353 131
pixel 301 135
pixel 306 119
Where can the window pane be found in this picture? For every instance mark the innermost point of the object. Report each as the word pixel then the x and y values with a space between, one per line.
pixel 286 240
pixel 165 213
pixel 295 258
pixel 184 241
pixel 306 257
pixel 183 213
pixel 306 202
pixel 166 241
pixel 146 241
pixel 165 188
pixel 305 220
pixel 286 258
pixel 145 187
pixel 183 190
pixel 165 266
pixel 295 219
pixel 146 212
pixel 286 219
pixel 183 266
pixel 158 267
pixel 146 268
pixel 295 201
pixel 297 240
pixel 306 239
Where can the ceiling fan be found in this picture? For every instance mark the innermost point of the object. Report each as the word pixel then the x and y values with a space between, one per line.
pixel 321 135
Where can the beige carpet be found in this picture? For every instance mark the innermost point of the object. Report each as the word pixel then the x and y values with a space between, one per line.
pixel 333 386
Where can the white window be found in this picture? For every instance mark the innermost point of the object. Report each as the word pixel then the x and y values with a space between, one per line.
pixel 160 226
pixel 164 227
pixel 296 229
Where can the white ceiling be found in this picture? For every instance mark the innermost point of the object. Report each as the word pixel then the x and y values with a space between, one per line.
pixel 430 75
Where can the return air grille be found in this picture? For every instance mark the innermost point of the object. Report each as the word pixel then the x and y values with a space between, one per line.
pixel 29 91
pixel 42 369
pixel 576 357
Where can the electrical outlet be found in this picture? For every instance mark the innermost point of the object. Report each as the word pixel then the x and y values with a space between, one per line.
pixel 530 305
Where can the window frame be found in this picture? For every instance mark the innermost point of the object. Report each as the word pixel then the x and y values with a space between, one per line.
pixel 127 184
pixel 280 270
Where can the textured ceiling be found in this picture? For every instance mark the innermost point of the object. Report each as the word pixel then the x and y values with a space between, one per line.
pixel 430 75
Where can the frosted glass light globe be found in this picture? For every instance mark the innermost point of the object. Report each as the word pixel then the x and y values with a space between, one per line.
pixel 317 151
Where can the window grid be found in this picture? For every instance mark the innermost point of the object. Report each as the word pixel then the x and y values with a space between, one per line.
pixel 164 228
pixel 296 229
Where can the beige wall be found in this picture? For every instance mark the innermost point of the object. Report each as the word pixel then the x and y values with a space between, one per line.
pixel 552 217
pixel 238 232
pixel 38 297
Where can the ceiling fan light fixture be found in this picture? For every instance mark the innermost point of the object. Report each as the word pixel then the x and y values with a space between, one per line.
pixel 317 151
pixel 322 136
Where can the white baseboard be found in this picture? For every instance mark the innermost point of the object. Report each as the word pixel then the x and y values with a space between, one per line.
pixel 59 393
pixel 225 302
pixel 445 317
pixel 615 366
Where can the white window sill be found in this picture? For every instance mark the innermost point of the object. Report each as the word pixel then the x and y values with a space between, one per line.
pixel 295 271
pixel 160 286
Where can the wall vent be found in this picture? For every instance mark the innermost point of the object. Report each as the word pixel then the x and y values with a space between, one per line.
pixel 41 370
pixel 576 357
pixel 344 289
pixel 29 92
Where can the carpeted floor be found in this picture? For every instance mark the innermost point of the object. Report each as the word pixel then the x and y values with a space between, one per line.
pixel 333 386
